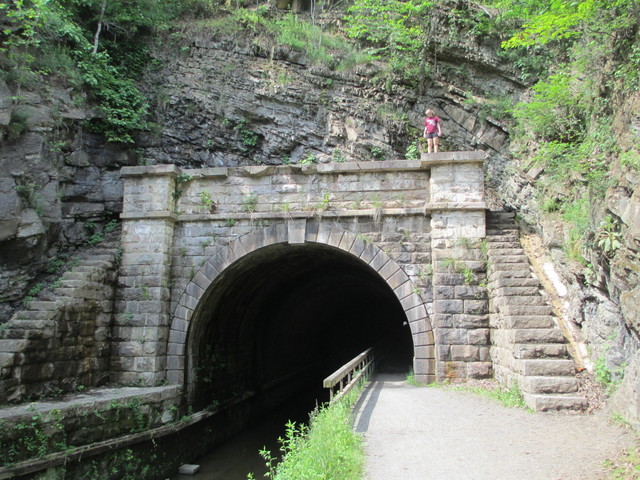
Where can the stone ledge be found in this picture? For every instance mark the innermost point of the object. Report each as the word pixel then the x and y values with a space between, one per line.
pixel 443 158
pixel 288 215
pixel 453 206
pixel 150 170
pixel 373 166
pixel 159 215
pixel 427 161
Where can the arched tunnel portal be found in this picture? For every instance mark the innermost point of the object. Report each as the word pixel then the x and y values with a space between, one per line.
pixel 284 316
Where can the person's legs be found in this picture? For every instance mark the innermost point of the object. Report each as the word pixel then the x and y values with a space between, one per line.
pixel 429 145
pixel 435 144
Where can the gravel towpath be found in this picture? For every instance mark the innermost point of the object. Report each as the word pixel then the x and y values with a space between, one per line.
pixel 421 433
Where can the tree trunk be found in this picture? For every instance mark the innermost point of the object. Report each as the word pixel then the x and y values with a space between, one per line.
pixel 96 38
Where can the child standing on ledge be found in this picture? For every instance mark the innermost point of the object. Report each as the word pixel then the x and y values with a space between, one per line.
pixel 432 130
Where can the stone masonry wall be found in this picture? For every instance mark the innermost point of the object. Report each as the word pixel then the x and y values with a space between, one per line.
pixel 460 312
pixel 44 428
pixel 176 220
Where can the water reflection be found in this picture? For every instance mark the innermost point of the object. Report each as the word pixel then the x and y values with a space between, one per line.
pixel 239 456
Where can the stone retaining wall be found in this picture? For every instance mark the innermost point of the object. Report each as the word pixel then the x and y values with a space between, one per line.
pixel 40 430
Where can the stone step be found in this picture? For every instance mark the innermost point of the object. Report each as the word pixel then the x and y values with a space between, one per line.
pixel 23 323
pixel 520 301
pixel 504 250
pixel 540 350
pixel 502 235
pixel 548 385
pixel 503 240
pixel 523 291
pixel 546 367
pixel 39 315
pixel 44 305
pixel 525 309
pixel 496 246
pixel 513 278
pixel 98 257
pixel 93 263
pixel 527 321
pixel 544 403
pixel 499 259
pixel 75 275
pixel 536 335
pixel 506 267
pixel 500 214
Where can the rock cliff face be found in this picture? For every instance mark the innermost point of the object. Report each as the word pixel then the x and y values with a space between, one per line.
pixel 225 103
pixel 217 103
pixel 57 184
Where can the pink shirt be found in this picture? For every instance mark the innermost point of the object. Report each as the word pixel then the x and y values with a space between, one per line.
pixel 431 124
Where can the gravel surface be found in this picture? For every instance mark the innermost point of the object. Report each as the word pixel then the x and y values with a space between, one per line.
pixel 422 433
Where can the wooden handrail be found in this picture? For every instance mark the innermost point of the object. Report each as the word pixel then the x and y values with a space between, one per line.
pixel 346 377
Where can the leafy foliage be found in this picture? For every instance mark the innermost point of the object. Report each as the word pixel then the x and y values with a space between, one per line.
pixel 327 449
pixel 94 44
pixel 393 30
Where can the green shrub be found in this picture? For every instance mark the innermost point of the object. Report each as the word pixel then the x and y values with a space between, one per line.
pixel 328 449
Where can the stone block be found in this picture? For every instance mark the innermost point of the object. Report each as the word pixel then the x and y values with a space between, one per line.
pixel 452 370
pixel 547 367
pixel 416 314
pixel 441 320
pixel 535 350
pixel 175 377
pixel 424 366
pixel 448 306
pixel 549 384
pixel 526 310
pixel 465 353
pixel 470 292
pixel 397 279
pixel 411 301
pixel 527 321
pixel 451 279
pixel 423 338
pixel 404 291
pixel 444 292
pixel 478 336
pixel 451 336
pixel 424 352
pixel 543 402
pixel 470 321
pixel 480 369
pixel 476 307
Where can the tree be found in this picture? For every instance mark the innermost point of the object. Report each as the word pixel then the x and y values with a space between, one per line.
pixel 395 30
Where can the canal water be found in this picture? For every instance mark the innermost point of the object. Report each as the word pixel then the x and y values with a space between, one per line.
pixel 239 456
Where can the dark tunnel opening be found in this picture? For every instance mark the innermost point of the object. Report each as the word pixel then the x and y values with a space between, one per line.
pixel 284 317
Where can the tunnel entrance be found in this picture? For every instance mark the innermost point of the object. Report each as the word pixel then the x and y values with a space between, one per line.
pixel 280 319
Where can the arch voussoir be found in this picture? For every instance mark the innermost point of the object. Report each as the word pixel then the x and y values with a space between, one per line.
pixel 314 232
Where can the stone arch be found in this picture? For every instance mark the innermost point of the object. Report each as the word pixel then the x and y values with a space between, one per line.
pixel 297 232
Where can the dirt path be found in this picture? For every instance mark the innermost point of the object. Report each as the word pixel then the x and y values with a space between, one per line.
pixel 420 433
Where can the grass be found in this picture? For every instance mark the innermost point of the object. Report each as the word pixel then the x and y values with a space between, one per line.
pixel 326 449
pixel 626 467
pixel 508 397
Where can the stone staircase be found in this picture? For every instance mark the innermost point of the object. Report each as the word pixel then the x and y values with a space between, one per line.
pixel 60 340
pixel 528 347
